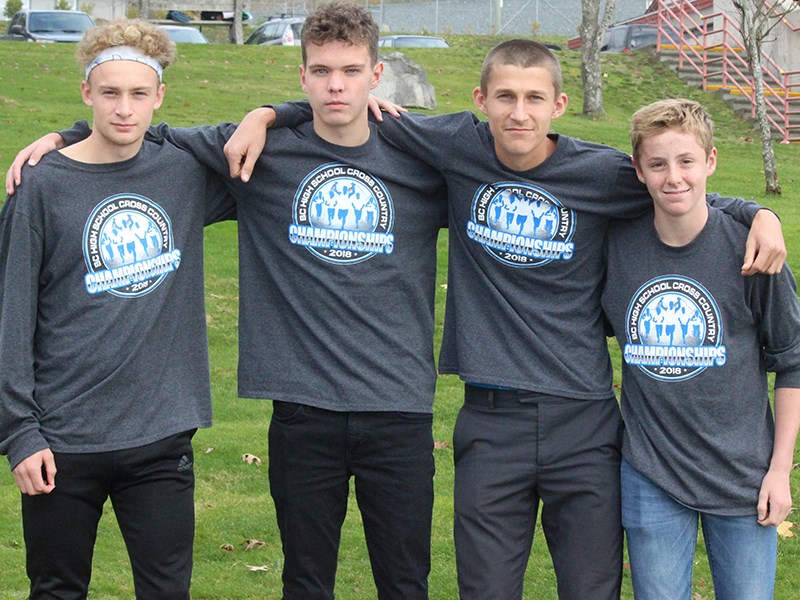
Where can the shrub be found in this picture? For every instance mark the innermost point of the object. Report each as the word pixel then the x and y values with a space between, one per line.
pixel 12 6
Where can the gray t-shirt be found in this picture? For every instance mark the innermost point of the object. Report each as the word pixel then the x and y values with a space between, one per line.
pixel 102 317
pixel 337 265
pixel 698 339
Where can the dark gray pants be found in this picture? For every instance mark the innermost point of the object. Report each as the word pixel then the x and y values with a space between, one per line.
pixel 513 449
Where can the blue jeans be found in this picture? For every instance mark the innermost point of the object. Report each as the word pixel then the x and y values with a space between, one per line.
pixel 313 453
pixel 662 536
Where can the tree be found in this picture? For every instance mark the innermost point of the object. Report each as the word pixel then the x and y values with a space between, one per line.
pixel 236 35
pixel 592 29
pixel 12 7
pixel 757 19
pixel 144 9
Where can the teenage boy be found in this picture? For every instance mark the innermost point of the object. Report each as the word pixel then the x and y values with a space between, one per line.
pixel 700 442
pixel 528 212
pixel 337 251
pixel 102 331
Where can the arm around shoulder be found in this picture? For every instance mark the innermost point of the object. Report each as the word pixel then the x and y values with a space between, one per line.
pixel 765 250
pixel 31 155
pixel 245 145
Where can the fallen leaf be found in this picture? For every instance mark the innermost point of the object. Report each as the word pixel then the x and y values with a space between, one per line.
pixel 785 529
pixel 700 597
pixel 443 286
pixel 251 459
pixel 227 547
pixel 257 568
pixel 250 544
pixel 440 445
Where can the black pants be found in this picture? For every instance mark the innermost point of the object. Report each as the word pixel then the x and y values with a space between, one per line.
pixel 513 450
pixel 313 453
pixel 152 491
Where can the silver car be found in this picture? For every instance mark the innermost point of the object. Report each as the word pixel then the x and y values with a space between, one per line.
pixel 277 32
pixel 413 41
pixel 48 26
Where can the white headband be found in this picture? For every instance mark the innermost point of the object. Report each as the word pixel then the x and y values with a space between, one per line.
pixel 124 53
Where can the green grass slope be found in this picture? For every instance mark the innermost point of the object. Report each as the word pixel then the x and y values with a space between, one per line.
pixel 39 93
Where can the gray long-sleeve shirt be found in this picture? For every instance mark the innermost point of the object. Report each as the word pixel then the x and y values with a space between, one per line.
pixel 337 265
pixel 102 316
pixel 698 339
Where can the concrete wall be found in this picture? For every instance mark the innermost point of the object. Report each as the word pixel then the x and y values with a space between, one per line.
pixel 783 44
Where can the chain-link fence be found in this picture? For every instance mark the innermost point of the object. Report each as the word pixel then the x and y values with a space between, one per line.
pixel 516 17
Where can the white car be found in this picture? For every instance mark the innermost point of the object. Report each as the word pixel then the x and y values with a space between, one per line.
pixel 184 34
pixel 413 41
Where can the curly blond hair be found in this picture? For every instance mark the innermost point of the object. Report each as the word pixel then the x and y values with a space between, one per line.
pixel 149 39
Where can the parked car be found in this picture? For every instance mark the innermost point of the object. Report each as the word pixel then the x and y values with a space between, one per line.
pixel 215 15
pixel 48 26
pixel 184 34
pixel 413 41
pixel 626 38
pixel 277 32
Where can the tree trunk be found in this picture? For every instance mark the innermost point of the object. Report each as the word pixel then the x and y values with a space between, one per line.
pixel 144 9
pixel 755 25
pixel 773 186
pixel 591 31
pixel 236 35
pixel 592 77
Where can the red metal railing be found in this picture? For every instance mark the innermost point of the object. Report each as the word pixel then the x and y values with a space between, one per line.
pixel 711 45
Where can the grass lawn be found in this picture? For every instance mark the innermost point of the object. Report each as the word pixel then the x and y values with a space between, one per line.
pixel 39 93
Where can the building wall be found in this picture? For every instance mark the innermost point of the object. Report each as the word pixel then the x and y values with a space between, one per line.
pixel 101 9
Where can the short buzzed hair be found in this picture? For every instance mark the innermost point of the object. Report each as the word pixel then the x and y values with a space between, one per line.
pixel 147 38
pixel 341 22
pixel 687 115
pixel 525 54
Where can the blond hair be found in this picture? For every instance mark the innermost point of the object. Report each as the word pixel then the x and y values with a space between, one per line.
pixel 525 54
pixel 149 39
pixel 686 115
